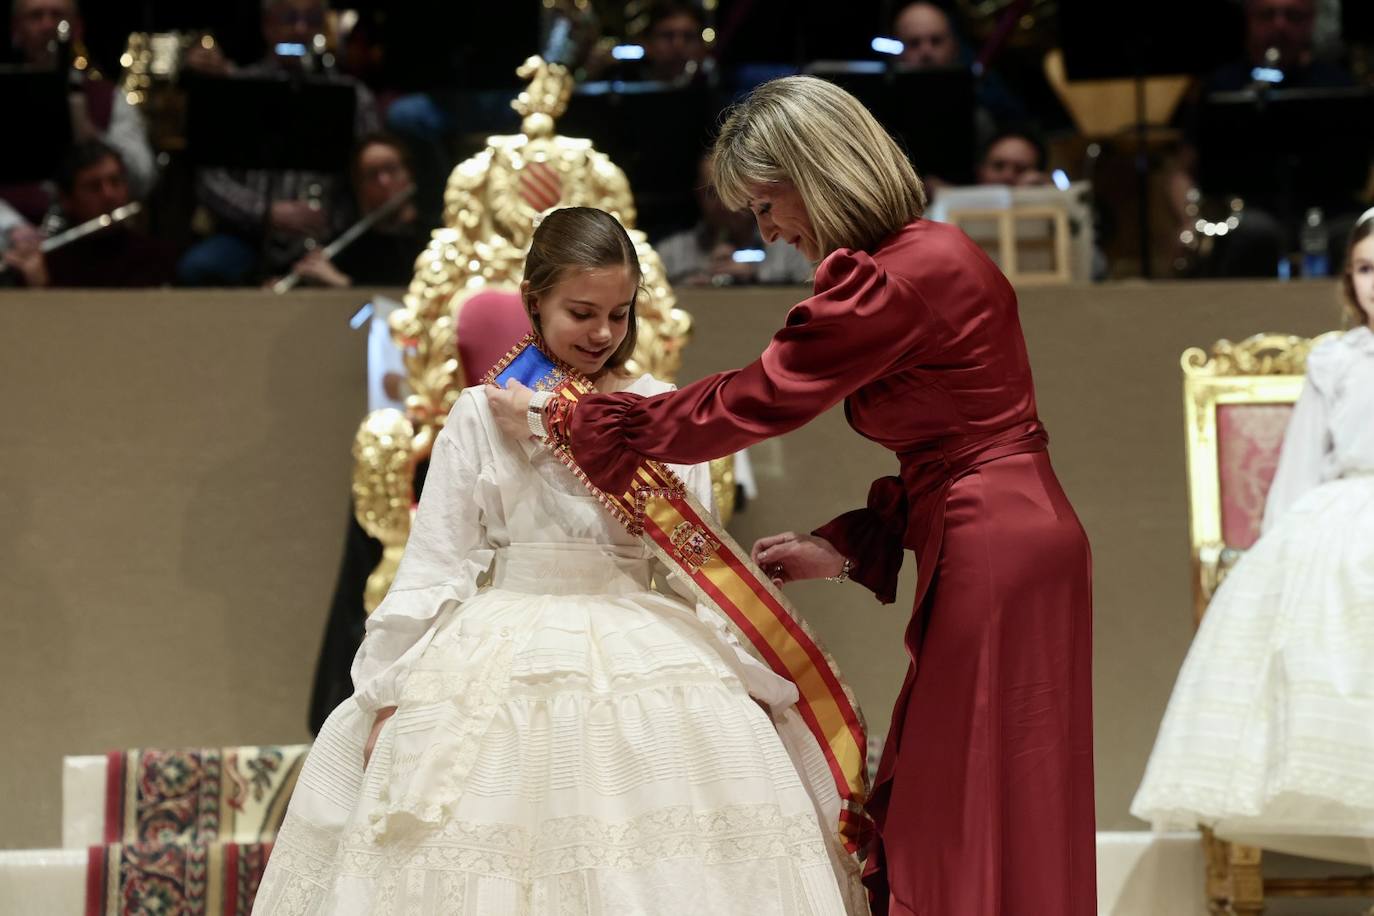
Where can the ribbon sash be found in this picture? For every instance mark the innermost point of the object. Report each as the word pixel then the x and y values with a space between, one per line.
pixel 685 536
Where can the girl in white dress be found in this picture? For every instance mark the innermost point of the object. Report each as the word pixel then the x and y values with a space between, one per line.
pixel 1269 734
pixel 535 730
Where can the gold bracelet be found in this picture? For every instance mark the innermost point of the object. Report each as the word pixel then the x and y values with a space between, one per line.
pixel 845 570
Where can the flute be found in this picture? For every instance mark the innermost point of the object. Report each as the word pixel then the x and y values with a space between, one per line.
pixel 103 221
pixel 351 234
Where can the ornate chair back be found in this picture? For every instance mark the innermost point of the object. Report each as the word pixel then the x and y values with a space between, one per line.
pixel 462 292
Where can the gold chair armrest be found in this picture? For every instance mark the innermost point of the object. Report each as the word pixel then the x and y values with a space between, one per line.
pixel 383 490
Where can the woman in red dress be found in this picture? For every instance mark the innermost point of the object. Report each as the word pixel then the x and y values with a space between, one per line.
pixel 984 797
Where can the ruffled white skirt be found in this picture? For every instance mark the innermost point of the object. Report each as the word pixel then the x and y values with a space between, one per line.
pixel 570 742
pixel 1270 729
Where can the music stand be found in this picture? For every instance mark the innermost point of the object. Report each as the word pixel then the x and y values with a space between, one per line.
pixel 1357 23
pixel 36 104
pixel 1163 38
pixel 1298 147
pixel 440 45
pixel 272 122
pixel 930 112
pixel 656 133
pixel 795 32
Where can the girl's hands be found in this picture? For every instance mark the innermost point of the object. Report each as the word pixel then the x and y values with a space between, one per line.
pixel 508 407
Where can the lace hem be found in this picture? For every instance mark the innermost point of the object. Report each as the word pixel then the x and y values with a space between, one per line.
pixel 735 834
pixel 309 862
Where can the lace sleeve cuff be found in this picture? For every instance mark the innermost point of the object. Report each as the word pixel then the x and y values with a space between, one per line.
pixel 534 414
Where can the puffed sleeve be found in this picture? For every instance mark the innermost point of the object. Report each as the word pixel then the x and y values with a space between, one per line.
pixel 859 325
pixel 446 553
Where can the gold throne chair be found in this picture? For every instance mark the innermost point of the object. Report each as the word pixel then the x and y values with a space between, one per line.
pixel 474 263
pixel 1237 400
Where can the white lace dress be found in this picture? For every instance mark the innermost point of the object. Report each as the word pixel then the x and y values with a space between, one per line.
pixel 1270 729
pixel 567 740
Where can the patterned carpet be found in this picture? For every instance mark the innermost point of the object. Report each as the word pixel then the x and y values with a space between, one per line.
pixel 188 832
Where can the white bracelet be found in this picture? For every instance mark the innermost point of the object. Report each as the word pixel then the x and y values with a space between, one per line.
pixel 534 414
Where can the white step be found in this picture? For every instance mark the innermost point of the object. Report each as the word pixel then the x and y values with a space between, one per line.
pixel 83 801
pixel 50 882
pixel 1150 874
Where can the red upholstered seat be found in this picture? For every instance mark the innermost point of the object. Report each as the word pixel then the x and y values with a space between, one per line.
pixel 1249 437
pixel 489 322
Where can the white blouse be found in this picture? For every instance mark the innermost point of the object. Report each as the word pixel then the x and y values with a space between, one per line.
pixel 483 492
pixel 1331 432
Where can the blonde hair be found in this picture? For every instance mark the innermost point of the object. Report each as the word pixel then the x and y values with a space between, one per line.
pixel 856 183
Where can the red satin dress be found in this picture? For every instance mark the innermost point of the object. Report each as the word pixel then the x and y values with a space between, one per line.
pixel 984 797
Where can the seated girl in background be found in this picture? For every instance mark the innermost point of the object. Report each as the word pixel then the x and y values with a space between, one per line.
pixel 559 738
pixel 1270 730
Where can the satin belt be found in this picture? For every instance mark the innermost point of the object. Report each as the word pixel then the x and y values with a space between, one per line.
pixel 933 467
pixel 572 569
pixel 928 473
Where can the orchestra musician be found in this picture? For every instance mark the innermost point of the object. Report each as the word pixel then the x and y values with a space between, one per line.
pixel 92 183
pixel 47 35
pixel 267 220
pixel 384 254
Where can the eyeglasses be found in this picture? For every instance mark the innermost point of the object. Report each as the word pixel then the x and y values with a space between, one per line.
pixel 386 170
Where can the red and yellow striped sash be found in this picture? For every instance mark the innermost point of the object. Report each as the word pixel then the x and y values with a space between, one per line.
pixel 687 538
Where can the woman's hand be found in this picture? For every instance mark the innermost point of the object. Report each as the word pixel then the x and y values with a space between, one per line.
pixel 382 716
pixel 508 407
pixel 788 557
